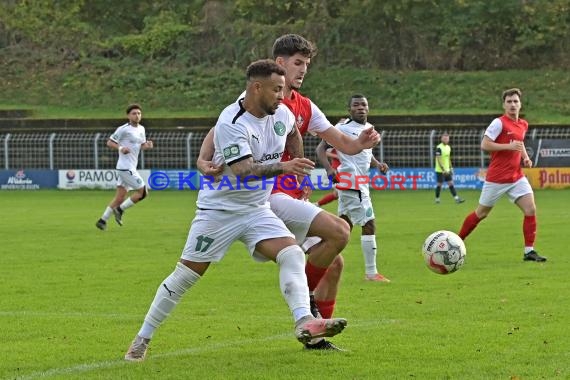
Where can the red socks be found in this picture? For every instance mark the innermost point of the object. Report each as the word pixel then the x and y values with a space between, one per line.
pixel 314 275
pixel 529 230
pixel 326 308
pixel 469 224
pixel 327 199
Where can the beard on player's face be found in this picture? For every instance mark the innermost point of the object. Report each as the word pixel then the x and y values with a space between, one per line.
pixel 269 106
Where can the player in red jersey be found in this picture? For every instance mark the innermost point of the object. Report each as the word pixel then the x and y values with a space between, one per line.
pixel 324 234
pixel 504 139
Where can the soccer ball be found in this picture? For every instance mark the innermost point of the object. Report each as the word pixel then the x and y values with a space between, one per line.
pixel 444 252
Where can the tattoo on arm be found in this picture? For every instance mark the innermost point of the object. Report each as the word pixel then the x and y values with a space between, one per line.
pixel 249 168
pixel 270 170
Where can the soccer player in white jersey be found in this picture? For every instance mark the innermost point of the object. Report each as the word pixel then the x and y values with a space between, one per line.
pixel 328 233
pixel 250 138
pixel 128 140
pixel 354 203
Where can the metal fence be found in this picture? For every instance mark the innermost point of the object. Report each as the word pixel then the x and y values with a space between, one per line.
pixel 179 150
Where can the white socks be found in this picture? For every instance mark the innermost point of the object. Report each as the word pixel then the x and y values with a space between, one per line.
pixel 107 214
pixel 293 280
pixel 167 296
pixel 368 244
pixel 126 204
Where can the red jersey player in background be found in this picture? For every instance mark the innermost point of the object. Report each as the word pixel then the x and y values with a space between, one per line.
pixel 504 140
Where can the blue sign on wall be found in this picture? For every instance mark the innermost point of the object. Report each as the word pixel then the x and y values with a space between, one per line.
pixel 424 178
pixel 28 179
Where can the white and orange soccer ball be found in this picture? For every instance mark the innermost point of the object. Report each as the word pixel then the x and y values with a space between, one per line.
pixel 444 252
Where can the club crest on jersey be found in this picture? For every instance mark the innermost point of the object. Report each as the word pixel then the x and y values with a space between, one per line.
pixel 299 122
pixel 231 151
pixel 279 128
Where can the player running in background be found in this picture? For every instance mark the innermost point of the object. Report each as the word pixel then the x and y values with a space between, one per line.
pixel 128 140
pixel 354 203
pixel 504 140
pixel 329 233
pixel 444 168
pixel 250 137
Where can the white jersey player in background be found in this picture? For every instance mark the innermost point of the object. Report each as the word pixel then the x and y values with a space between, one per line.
pixel 354 203
pixel 128 140
pixel 250 138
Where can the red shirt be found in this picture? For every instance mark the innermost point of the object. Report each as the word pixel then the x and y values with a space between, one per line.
pixel 301 107
pixel 335 162
pixel 505 165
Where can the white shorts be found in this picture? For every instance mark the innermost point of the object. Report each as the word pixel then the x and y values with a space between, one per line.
pixel 130 179
pixel 212 232
pixel 493 191
pixel 356 205
pixel 295 213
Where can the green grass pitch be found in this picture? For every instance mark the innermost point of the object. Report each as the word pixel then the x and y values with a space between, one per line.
pixel 73 297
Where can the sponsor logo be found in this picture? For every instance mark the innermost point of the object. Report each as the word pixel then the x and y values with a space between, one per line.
pixel 433 241
pixel 70 175
pixel 98 176
pixel 20 174
pixel 555 152
pixel 19 181
pixel 269 157
pixel 553 177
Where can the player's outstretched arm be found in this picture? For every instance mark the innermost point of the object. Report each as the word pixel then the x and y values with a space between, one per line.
pixel 368 138
pixel 323 158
